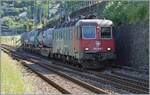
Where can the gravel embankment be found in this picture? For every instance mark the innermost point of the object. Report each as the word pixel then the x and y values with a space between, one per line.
pixel 39 85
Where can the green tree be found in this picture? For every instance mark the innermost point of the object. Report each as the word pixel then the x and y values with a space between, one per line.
pixel 127 11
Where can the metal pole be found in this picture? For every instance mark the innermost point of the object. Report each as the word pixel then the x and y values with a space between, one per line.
pixel 48 10
pixel 34 13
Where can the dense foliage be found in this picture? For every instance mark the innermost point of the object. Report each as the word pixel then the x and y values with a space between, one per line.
pixel 127 11
pixel 36 10
pixel 14 24
pixel 48 12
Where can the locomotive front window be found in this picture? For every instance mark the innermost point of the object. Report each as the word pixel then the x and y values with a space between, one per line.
pixel 88 32
pixel 106 32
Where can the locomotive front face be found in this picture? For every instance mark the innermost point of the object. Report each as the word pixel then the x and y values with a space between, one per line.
pixel 97 42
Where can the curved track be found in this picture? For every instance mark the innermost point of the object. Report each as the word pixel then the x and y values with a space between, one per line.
pixel 118 81
pixel 26 62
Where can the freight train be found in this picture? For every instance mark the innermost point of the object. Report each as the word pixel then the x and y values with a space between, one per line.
pixel 85 43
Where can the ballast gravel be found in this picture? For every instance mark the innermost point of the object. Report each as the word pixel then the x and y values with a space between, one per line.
pixel 70 86
pixel 39 85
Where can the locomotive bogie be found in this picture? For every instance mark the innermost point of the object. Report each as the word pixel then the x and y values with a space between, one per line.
pixel 98 56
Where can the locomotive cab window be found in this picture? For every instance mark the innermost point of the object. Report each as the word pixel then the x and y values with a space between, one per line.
pixel 106 32
pixel 88 32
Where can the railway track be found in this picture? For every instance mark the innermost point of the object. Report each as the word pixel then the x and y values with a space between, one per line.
pixel 131 78
pixel 115 76
pixel 115 80
pixel 130 68
pixel 61 89
pixel 83 85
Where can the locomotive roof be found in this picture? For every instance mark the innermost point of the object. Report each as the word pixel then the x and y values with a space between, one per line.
pixel 101 22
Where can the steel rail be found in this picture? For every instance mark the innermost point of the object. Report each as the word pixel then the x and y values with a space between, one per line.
pixel 127 85
pixel 73 79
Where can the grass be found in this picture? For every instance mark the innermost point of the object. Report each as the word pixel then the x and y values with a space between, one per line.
pixel 11 77
pixel 10 40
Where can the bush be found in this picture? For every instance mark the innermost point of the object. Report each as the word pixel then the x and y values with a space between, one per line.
pixel 127 11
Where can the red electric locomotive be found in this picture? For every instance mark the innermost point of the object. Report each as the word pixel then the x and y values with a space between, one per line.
pixel 97 41
pixel 88 42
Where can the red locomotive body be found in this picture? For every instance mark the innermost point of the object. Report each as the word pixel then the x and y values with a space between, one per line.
pixel 96 40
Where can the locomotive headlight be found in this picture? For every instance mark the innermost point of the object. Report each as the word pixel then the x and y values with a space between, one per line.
pixel 86 48
pixel 108 49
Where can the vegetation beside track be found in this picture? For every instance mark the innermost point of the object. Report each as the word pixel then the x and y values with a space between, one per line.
pixel 12 78
pixel 10 40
